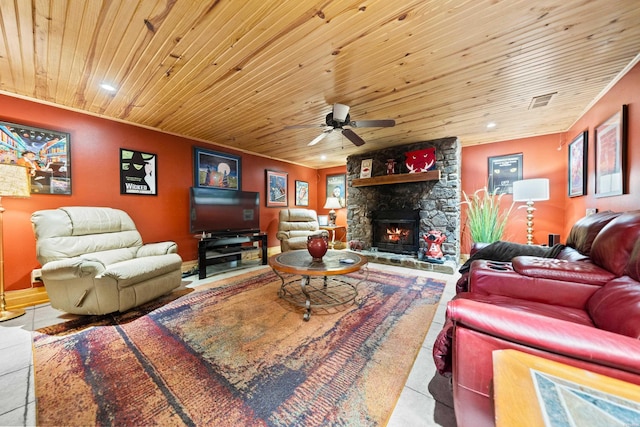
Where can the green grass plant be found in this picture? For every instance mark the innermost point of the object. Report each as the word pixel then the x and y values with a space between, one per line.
pixel 485 218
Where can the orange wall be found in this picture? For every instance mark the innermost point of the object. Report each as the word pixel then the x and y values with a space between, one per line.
pixel 626 91
pixel 542 158
pixel 95 145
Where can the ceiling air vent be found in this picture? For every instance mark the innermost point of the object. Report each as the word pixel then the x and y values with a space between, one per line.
pixel 541 101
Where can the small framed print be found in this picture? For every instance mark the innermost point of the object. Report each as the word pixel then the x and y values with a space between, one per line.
pixel 277 195
pixel 336 186
pixel 365 168
pixel 45 153
pixel 611 155
pixel 216 170
pixel 503 172
pixel 302 193
pixel 138 172
pixel 578 165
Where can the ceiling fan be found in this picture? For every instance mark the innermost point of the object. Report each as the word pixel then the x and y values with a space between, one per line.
pixel 338 118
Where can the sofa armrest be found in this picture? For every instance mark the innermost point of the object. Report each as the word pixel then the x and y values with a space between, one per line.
pixel 159 248
pixel 71 268
pixel 552 335
pixel 282 235
pixel 128 273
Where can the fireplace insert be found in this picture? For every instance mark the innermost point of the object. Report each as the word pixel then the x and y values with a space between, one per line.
pixel 396 231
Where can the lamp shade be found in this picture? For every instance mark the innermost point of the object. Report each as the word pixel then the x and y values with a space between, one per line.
pixel 531 190
pixel 332 203
pixel 14 181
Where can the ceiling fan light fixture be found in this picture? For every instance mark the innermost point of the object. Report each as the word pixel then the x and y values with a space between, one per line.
pixel 338 118
pixel 340 112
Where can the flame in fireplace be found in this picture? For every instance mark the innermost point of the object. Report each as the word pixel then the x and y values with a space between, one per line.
pixel 397 234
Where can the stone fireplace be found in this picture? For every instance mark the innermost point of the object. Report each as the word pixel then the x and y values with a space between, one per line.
pixel 433 204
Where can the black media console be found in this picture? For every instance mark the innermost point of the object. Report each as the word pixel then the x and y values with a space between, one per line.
pixel 219 249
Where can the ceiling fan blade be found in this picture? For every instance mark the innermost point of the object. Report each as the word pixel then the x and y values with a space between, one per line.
pixel 320 137
pixel 373 123
pixel 351 136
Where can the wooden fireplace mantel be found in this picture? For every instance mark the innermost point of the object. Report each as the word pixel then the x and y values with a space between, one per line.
pixel 433 175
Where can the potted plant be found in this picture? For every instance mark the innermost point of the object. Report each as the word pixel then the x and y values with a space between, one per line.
pixel 485 219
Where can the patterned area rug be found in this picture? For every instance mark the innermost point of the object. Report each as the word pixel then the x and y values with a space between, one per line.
pixel 234 354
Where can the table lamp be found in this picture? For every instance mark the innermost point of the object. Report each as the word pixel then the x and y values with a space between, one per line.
pixel 530 190
pixel 332 203
pixel 14 182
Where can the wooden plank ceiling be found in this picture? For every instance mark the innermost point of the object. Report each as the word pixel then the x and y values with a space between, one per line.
pixel 238 73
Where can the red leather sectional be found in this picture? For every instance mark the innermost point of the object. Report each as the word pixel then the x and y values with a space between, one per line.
pixel 581 309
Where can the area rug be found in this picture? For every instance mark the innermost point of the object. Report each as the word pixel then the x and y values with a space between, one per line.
pixel 235 354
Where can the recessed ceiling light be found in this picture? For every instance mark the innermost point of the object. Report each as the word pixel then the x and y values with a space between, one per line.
pixel 107 86
pixel 323 157
pixel 491 125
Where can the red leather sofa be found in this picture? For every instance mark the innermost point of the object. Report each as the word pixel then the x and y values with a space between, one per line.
pixel 581 309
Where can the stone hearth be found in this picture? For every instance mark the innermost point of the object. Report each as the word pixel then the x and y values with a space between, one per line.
pixel 438 202
pixel 409 261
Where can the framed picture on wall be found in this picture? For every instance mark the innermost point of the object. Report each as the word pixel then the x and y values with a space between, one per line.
pixel 578 165
pixel 138 172
pixel 302 193
pixel 336 187
pixel 611 155
pixel 46 153
pixel 276 190
pixel 365 168
pixel 216 170
pixel 503 172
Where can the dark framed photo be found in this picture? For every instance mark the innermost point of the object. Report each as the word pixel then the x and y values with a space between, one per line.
pixel 277 195
pixel 503 172
pixel 336 187
pixel 302 193
pixel 138 172
pixel 46 153
pixel 611 155
pixel 216 170
pixel 578 165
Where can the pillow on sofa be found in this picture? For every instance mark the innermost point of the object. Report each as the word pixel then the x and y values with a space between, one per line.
pixel 616 307
pixel 585 230
pixel 612 247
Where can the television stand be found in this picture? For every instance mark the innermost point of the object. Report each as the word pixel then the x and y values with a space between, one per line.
pixel 225 248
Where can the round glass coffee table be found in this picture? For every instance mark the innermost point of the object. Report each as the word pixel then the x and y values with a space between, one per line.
pixel 311 284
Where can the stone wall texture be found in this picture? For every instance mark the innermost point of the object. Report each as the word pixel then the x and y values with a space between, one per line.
pixel 438 201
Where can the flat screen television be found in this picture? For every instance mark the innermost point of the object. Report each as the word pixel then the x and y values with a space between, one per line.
pixel 224 212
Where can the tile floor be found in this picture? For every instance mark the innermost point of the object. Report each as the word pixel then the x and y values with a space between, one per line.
pixel 425 401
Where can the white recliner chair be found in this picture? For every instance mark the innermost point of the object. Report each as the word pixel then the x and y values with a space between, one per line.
pixel 94 262
pixel 294 226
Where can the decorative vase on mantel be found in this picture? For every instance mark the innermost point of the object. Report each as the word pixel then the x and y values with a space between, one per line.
pixel 317 245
